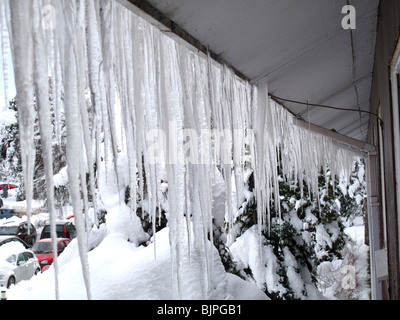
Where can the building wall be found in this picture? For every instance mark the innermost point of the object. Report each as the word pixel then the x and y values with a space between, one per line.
pixel 387 37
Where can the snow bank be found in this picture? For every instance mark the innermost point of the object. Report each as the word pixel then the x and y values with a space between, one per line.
pixel 243 290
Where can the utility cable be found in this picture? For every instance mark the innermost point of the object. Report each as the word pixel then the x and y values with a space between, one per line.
pixel 327 107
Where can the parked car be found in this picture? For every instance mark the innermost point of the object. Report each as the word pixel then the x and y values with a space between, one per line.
pixel 8 186
pixel 43 251
pixel 21 230
pixel 6 213
pixel 16 263
pixel 63 229
pixel 12 239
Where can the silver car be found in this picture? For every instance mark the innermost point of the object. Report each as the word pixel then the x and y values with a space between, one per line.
pixel 16 263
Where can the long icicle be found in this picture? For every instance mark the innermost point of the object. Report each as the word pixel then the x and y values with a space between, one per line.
pixel 74 136
pixel 43 104
pixel 22 47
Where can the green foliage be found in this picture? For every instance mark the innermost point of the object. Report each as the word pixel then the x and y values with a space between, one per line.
pixel 150 224
pixel 101 216
pixel 247 216
pixel 308 228
pixel 224 253
pixel 10 153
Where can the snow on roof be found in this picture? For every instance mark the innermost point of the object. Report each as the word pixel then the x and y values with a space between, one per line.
pixel 11 223
pixel 49 239
pixel 8 249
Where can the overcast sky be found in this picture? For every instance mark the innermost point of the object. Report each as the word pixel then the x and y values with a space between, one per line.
pixel 11 86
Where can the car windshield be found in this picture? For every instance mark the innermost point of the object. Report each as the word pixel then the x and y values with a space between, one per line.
pixel 42 247
pixel 9 251
pixel 59 228
pixel 8 230
pixel 12 259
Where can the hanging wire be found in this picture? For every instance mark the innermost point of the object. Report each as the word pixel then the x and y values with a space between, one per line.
pixel 328 107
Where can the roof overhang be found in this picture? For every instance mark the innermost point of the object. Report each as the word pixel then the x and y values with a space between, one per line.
pixel 298 47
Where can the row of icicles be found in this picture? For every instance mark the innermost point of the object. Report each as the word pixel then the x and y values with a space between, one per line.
pixel 181 114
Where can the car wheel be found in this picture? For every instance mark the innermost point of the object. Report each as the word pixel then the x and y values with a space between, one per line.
pixel 10 282
pixel 37 271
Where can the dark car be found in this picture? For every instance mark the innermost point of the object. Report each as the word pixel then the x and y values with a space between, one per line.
pixel 63 229
pixel 21 230
pixel 8 213
pixel 8 239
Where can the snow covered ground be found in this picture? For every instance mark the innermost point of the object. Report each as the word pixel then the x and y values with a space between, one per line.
pixel 120 270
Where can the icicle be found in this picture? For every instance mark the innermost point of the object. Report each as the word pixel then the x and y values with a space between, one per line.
pixel 84 115
pixel 5 47
pixel 43 103
pixel 74 133
pixel 107 35
pixel 125 85
pixel 261 155
pixel 57 75
pixel 23 50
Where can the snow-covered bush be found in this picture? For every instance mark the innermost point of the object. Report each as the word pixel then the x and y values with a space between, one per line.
pixel 302 240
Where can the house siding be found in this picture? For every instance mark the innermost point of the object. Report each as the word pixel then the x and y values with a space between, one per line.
pixel 387 37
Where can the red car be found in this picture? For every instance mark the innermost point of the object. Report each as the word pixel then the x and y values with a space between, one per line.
pixel 43 251
pixel 7 186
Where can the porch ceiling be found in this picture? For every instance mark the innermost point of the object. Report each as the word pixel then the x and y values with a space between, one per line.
pixel 299 47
